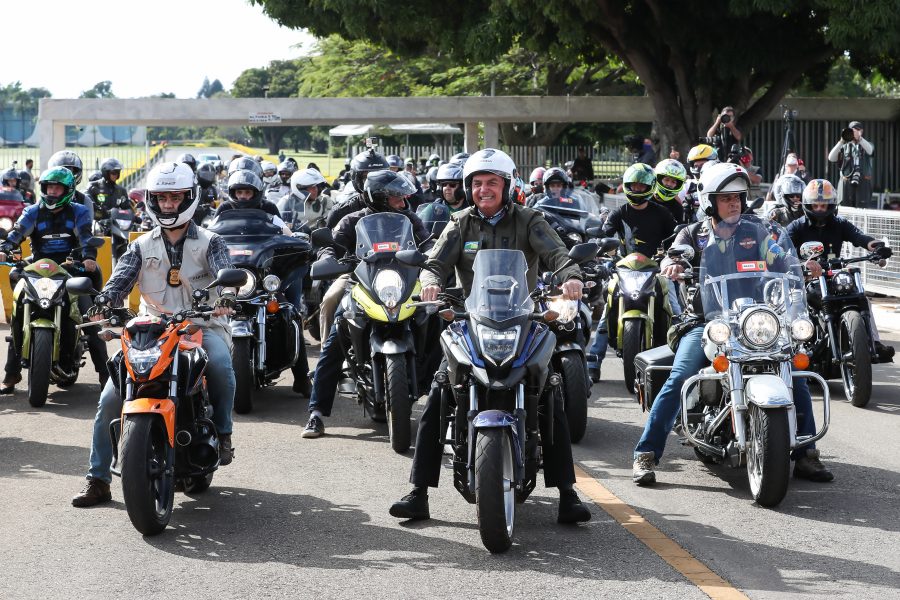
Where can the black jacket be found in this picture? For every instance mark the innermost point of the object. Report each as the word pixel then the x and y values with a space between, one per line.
pixel 263 205
pixel 833 234
pixel 343 208
pixel 105 196
pixel 345 232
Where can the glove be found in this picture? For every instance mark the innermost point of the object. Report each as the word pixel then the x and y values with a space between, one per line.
pixel 94 310
pixel 225 301
pixel 884 252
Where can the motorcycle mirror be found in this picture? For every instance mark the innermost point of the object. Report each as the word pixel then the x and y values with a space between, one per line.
pixel 80 286
pixel 609 244
pixel 756 204
pixel 95 242
pixel 229 278
pixel 594 231
pixel 328 268
pixel 413 258
pixel 811 250
pixel 682 251
pixel 547 277
pixel 583 252
pixel 322 237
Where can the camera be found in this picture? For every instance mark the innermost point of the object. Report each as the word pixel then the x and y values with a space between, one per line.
pixel 726 118
pixel 854 177
pixel 847 134
pixel 713 141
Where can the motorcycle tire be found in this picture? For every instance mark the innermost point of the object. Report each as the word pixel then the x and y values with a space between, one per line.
pixel 575 394
pixel 148 485
pixel 242 360
pixel 196 485
pixel 39 365
pixel 397 395
pixel 632 345
pixel 768 454
pixel 856 375
pixel 495 494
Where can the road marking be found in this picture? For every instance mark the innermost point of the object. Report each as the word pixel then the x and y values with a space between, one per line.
pixel 680 559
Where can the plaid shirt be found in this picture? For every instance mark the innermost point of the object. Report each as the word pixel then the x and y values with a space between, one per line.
pixel 128 266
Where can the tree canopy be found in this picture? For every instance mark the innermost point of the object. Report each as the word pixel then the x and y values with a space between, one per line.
pixel 102 89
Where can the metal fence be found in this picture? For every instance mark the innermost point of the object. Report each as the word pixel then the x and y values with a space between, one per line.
pixel 134 158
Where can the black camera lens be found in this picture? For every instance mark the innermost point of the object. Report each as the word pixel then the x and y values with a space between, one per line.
pixel 847 134
pixel 726 118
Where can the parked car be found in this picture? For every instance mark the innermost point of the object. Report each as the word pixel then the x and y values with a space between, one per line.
pixel 211 158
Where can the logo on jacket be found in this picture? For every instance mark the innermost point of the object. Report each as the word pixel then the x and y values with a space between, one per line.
pixel 747 243
pixel 470 247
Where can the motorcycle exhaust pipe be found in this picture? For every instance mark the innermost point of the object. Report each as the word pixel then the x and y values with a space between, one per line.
pixel 183 437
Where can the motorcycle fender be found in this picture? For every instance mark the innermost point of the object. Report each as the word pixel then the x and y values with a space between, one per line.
pixel 39 324
pixel 380 345
pixel 160 406
pixel 569 347
pixel 629 314
pixel 768 391
pixel 493 418
pixel 42 324
pixel 242 329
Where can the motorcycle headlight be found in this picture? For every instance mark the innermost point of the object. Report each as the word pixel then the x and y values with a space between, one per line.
pixel 124 224
pixel 567 309
pixel 575 237
pixel 632 282
pixel 760 327
pixel 843 282
pixel 802 329
pixel 498 345
pixel 6 223
pixel 271 283
pixel 717 332
pixel 142 361
pixel 45 287
pixel 389 287
pixel 246 290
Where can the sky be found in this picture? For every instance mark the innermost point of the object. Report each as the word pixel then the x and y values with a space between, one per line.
pixel 143 48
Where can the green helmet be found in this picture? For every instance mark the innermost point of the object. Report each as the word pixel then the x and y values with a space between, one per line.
pixel 669 168
pixel 63 177
pixel 638 173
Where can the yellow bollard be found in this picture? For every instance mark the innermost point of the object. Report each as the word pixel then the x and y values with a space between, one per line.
pixel 104 258
pixel 5 289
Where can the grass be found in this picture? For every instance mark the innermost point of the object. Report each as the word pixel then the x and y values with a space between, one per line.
pixel 133 157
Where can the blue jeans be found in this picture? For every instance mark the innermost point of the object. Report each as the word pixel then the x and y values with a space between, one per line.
pixel 219 378
pixel 600 343
pixel 294 287
pixel 674 301
pixel 328 369
pixel 689 359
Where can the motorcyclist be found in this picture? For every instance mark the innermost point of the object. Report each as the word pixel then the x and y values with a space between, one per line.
pixel 536 181
pixel 244 163
pixel 698 156
pixel 208 192
pixel 384 191
pixel 71 161
pixel 788 204
pixel 245 190
pixel 26 186
pixel 459 158
pixel 495 221
pixel 55 227
pixel 555 183
pixel 188 159
pixel 670 178
pixel 282 186
pixel 310 183
pixel 270 172
pixel 450 187
pixel 724 189
pixel 183 257
pixel 10 178
pixel 641 226
pixel 362 164
pixel 395 163
pixel 106 194
pixel 821 223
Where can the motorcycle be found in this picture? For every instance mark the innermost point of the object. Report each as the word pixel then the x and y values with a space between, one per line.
pixel 165 435
pixel 571 217
pixel 499 371
pixel 377 333
pixel 266 330
pixel 844 343
pixel 50 320
pixel 117 227
pixel 740 411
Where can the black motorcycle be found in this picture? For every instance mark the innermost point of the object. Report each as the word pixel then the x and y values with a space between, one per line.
pixel 118 226
pixel 266 330
pixel 570 216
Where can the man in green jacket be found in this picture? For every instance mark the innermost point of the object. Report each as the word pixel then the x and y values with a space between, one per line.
pixel 493 221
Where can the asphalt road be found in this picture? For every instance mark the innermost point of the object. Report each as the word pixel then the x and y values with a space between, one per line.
pixel 308 518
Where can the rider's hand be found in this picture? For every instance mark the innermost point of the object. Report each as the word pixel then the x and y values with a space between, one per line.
pixel 2 256
pixel 815 269
pixel 222 311
pixel 90 264
pixel 224 305
pixel 673 271
pixel 430 293
pixel 96 317
pixel 572 289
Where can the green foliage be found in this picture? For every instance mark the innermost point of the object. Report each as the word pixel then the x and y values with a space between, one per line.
pixel 208 90
pixel 19 99
pixel 102 89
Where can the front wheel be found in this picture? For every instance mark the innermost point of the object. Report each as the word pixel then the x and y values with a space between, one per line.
pixel 495 498
pixel 632 345
pixel 856 361
pixel 39 365
pixel 148 485
pixel 244 376
pixel 768 454
pixel 399 409
pixel 575 393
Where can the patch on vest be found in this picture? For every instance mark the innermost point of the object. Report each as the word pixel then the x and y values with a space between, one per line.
pixel 747 243
pixel 470 247
pixel 746 266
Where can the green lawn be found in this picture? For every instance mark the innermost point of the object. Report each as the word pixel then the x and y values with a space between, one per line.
pixel 131 157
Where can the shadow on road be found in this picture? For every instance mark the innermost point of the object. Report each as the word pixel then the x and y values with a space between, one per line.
pixel 24 458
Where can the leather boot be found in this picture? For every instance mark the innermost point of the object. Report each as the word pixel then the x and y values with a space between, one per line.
pixel 94 492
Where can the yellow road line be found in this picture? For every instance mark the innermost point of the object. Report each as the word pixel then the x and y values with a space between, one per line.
pixel 680 559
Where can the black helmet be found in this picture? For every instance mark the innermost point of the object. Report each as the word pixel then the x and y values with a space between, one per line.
pixel 394 161
pixel 206 175
pixel 95 176
pixel 245 163
pixel 189 160
pixel 556 174
pixel 292 162
pixel 384 184
pixel 25 180
pixel 69 160
pixel 362 164
pixel 110 164
pixel 10 178
pixel 245 180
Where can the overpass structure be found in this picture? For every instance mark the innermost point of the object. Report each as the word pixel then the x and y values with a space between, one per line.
pixel 489 111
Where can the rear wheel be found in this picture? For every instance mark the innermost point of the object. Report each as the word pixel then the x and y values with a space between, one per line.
pixel 495 498
pixel 148 485
pixel 40 362
pixel 856 364
pixel 399 409
pixel 768 454
pixel 575 394
pixel 632 345
pixel 196 485
pixel 244 375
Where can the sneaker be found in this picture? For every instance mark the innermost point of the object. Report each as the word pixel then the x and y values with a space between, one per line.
pixel 412 506
pixel 302 386
pixel 571 510
pixel 810 467
pixel 642 471
pixel 315 428
pixel 9 384
pixel 226 450
pixel 94 492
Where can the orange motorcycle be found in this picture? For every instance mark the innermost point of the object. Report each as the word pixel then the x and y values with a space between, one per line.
pixel 165 435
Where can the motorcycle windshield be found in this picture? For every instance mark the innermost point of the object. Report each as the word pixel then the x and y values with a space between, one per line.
pixel 499 288
pixel 244 222
pixel 573 206
pixel 293 208
pixel 385 232
pixel 751 263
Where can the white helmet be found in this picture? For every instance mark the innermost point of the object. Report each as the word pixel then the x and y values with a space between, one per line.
pixel 270 172
pixel 492 161
pixel 305 178
pixel 722 178
pixel 172 177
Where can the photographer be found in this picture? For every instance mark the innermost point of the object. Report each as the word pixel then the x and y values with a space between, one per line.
pixel 726 129
pixel 854 152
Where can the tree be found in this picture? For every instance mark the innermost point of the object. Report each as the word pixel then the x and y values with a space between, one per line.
pixel 692 56
pixel 208 90
pixel 102 89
